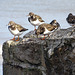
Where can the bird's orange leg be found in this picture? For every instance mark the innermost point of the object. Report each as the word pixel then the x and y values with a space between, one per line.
pixel 35 28
pixel 17 39
pixel 48 35
pixel 13 38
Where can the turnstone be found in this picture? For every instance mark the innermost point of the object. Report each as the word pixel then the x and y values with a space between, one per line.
pixel 71 19
pixel 55 23
pixel 35 20
pixel 45 29
pixel 16 29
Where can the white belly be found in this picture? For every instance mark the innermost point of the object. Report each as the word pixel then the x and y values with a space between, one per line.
pixel 15 32
pixel 48 32
pixel 36 23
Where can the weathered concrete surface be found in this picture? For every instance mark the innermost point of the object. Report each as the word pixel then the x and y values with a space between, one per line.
pixel 32 56
pixel 23 56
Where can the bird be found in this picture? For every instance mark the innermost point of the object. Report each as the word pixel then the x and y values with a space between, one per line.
pixel 15 29
pixel 35 20
pixel 45 29
pixel 55 23
pixel 71 19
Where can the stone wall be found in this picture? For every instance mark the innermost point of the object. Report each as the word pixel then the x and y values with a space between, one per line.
pixel 32 56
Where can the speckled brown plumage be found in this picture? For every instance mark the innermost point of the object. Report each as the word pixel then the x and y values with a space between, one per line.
pixel 13 26
pixel 35 20
pixel 55 23
pixel 15 29
pixel 71 19
pixel 34 17
pixel 41 28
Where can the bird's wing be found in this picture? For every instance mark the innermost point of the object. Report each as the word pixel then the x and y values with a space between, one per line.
pixel 20 28
pixel 50 27
pixel 40 19
pixel 38 16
